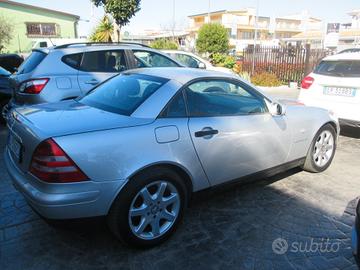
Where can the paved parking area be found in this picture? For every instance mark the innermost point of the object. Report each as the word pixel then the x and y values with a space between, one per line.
pixel 295 220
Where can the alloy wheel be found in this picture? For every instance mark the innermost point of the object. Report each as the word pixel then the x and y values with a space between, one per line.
pixel 323 148
pixel 154 210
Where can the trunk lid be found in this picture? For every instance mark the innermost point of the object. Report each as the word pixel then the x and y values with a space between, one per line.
pixel 28 126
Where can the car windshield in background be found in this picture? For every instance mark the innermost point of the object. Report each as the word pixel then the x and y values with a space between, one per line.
pixel 31 62
pixel 342 68
pixel 124 93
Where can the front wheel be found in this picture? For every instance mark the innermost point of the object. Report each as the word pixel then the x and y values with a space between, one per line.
pixel 322 150
pixel 149 208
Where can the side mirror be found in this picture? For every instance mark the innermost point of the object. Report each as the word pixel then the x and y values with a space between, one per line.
pixel 202 65
pixel 277 109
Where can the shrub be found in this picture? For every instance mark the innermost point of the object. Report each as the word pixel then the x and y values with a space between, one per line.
pixel 223 60
pixel 265 79
pixel 245 76
pixel 164 44
pixel 213 38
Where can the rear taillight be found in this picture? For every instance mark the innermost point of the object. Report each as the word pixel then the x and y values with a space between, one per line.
pixel 50 164
pixel 307 82
pixel 33 86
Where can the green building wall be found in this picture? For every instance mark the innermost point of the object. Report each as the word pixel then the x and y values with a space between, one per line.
pixel 18 16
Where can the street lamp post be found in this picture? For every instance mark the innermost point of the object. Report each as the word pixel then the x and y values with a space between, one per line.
pixel 209 6
pixel 255 35
pixel 173 23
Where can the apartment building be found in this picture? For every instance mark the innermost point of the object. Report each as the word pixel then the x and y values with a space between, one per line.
pixel 241 25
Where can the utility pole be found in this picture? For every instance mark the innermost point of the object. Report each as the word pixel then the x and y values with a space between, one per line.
pixel 173 21
pixel 209 6
pixel 255 35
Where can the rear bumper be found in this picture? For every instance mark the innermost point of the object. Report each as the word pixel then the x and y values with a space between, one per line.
pixel 64 201
pixel 346 111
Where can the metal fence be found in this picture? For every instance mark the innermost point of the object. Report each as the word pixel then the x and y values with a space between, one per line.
pixel 290 64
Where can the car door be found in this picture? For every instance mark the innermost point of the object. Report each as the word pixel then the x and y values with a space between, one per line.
pixel 97 66
pixel 232 131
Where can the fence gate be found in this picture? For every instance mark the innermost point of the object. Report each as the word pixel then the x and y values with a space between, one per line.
pixel 290 64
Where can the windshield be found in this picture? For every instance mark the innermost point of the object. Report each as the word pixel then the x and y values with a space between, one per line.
pixel 340 68
pixel 124 93
pixel 31 62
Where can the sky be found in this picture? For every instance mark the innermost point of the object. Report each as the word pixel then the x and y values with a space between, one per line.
pixel 158 14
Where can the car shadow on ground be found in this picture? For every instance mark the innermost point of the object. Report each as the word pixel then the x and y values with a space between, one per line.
pixel 230 227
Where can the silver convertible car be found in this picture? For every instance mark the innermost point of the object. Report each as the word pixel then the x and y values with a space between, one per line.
pixel 137 147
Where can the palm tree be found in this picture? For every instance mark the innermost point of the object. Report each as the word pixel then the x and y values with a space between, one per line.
pixel 103 31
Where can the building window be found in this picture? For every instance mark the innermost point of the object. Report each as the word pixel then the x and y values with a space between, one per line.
pixel 42 29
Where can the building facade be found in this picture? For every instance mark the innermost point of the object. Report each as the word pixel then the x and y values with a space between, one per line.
pixel 241 25
pixel 32 23
pixel 347 36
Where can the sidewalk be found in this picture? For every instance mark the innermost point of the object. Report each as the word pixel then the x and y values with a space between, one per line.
pixel 281 92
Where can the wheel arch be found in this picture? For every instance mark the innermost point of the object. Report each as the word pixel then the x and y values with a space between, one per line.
pixel 179 169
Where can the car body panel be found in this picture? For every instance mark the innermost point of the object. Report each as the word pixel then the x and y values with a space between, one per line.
pixel 244 145
pixel 111 148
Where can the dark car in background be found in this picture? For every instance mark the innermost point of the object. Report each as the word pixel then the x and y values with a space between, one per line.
pixel 10 61
pixel 5 90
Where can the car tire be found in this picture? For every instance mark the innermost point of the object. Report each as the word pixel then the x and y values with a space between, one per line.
pixel 127 228
pixel 319 156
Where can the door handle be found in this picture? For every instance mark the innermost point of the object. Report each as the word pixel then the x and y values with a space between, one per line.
pixel 206 132
pixel 92 82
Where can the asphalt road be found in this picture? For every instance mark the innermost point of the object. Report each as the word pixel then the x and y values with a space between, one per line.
pixel 245 227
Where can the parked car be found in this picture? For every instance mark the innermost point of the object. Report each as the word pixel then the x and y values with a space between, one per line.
pixel 355 235
pixel 351 50
pixel 71 70
pixel 5 90
pixel 194 61
pixel 139 145
pixel 335 85
pixel 10 61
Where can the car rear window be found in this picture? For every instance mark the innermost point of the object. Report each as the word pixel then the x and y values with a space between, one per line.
pixel 343 68
pixel 31 62
pixel 72 60
pixel 124 93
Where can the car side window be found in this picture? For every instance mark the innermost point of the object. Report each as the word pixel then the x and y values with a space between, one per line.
pixel 72 60
pixel 222 98
pixel 176 107
pixel 152 59
pixel 186 60
pixel 104 61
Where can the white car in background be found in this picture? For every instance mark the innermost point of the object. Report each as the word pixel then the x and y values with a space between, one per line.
pixel 194 61
pixel 335 85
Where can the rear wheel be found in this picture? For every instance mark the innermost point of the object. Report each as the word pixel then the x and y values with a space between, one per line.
pixel 149 208
pixel 322 150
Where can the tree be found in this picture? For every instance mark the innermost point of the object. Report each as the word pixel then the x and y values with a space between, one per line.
pixel 121 10
pixel 164 44
pixel 103 31
pixel 6 32
pixel 213 38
